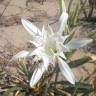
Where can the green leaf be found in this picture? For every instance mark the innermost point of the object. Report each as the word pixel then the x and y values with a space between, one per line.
pixel 69 54
pixel 92 35
pixel 70 5
pixel 73 17
pixel 81 87
pixel 23 68
pixel 30 72
pixel 69 38
pixel 10 91
pixel 79 62
pixel 62 6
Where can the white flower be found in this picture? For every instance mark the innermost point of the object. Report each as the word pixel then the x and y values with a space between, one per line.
pixel 50 47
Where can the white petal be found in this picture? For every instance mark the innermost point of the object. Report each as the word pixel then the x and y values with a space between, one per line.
pixel 66 71
pixel 36 38
pixel 44 31
pixel 37 51
pixel 63 22
pixel 78 43
pixel 61 38
pixel 62 47
pixel 62 55
pixel 39 71
pixel 44 34
pixel 21 54
pixel 34 43
pixel 50 30
pixel 46 60
pixel 31 28
pixel 36 76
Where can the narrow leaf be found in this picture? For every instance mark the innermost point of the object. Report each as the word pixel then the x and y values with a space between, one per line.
pixel 79 62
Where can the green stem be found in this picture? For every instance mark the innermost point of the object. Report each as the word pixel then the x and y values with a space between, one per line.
pixel 69 6
pixel 46 86
pixel 57 74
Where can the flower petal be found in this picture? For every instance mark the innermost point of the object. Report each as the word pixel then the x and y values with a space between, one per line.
pixel 30 27
pixel 34 43
pixel 46 60
pixel 62 55
pixel 66 71
pixel 50 30
pixel 37 51
pixel 36 76
pixel 78 43
pixel 44 34
pixel 62 47
pixel 60 38
pixel 39 71
pixel 63 22
pixel 21 54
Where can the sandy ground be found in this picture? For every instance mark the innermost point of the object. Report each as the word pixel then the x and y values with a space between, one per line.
pixel 12 31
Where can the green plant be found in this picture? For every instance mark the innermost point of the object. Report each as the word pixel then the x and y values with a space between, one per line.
pixel 19 83
pixel 73 14
pixel 88 7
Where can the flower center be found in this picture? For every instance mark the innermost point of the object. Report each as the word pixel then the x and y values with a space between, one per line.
pixel 50 46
